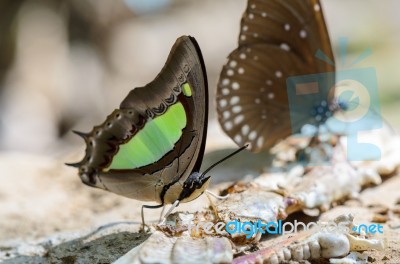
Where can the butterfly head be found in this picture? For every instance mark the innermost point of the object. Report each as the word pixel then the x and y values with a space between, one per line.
pixel 194 186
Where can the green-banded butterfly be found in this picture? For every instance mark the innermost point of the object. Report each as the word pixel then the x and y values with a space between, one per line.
pixel 278 39
pixel 151 148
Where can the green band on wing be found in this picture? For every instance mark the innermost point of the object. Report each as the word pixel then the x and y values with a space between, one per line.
pixel 151 143
pixel 186 90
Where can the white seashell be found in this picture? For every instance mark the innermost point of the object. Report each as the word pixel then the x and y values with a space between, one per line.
pixel 274 259
pixel 314 249
pixel 253 204
pixel 297 253
pixel 333 245
pixel 306 251
pixel 361 244
pixel 287 254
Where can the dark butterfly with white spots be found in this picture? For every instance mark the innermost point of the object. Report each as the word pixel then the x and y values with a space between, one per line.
pixel 151 148
pixel 278 39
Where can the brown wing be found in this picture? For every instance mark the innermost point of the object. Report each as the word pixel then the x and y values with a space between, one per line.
pixel 278 39
pixel 150 182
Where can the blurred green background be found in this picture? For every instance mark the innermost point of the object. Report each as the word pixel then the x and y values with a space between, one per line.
pixel 67 64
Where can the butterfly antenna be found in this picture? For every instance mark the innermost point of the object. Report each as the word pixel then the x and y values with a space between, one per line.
pixel 216 195
pixel 222 160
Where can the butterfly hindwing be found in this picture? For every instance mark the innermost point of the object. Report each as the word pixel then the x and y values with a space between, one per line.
pixel 156 138
pixel 278 39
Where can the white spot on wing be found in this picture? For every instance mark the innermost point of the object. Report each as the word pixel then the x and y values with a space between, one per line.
pixel 252 135
pixel 240 70
pixel 271 95
pixel 226 114
pixel 278 74
pixel 237 109
pixel 234 100
pixel 245 28
pixel 225 82
pixel 253 6
pixel 238 119
pixel 235 85
pixel 242 37
pixel 242 56
pixel 303 33
pixel 251 16
pixel 225 91
pixel 255 35
pixel 223 103
pixel 238 139
pixel 285 46
pixel 317 7
pixel 264 14
pixel 257 100
pixel 228 125
pixel 286 27
pixel 269 82
pixel 260 142
pixel 233 63
pixel 230 72
pixel 245 130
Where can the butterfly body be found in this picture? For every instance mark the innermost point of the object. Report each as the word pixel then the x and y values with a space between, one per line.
pixel 151 148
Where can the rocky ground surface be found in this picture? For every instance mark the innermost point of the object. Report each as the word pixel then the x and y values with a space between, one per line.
pixel 48 216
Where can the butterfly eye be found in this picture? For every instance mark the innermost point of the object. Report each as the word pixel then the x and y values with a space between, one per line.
pixel 278 40
pixel 198 184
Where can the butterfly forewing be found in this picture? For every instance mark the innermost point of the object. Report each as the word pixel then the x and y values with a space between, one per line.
pixel 278 39
pixel 157 136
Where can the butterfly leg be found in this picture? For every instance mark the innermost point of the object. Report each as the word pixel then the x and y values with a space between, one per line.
pixel 149 207
pixel 174 205
pixel 162 213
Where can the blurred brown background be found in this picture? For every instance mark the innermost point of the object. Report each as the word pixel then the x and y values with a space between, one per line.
pixel 67 64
